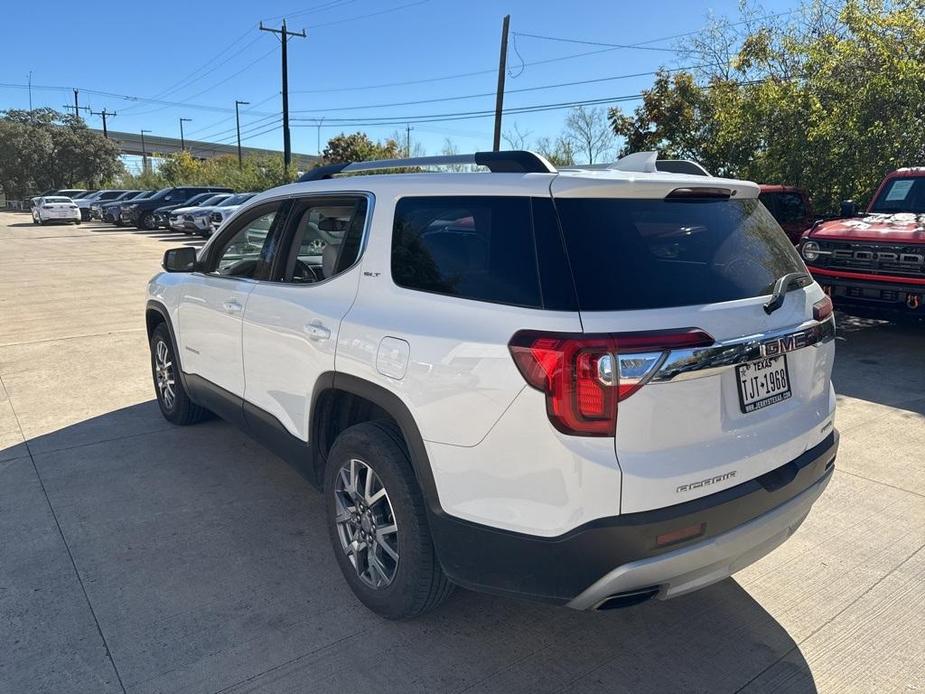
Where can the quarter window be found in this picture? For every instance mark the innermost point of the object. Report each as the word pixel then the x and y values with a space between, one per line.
pixel 471 247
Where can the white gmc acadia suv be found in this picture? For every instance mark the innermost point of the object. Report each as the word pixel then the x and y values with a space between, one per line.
pixel 588 387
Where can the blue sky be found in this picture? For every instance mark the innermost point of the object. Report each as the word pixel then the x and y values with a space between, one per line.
pixel 192 60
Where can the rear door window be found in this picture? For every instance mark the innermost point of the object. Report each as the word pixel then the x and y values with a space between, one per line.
pixel 478 247
pixel 630 254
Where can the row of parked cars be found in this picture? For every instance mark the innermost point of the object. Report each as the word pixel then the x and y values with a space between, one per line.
pixel 190 209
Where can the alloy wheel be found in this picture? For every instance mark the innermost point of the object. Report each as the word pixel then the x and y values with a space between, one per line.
pixel 366 523
pixel 163 374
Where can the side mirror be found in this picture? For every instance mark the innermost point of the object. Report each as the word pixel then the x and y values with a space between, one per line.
pixel 180 259
pixel 849 208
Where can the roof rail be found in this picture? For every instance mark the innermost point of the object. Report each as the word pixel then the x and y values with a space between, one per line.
pixel 516 161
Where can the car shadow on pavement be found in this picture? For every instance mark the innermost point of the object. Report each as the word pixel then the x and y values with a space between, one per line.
pixel 864 369
pixel 207 564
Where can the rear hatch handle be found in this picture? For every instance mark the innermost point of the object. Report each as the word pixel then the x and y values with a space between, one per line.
pixel 782 286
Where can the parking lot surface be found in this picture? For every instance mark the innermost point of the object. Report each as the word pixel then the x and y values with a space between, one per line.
pixel 137 556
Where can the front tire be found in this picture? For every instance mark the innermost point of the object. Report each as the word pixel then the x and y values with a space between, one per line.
pixel 146 222
pixel 378 523
pixel 172 398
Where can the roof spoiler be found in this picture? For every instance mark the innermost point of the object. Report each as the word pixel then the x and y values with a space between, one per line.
pixel 516 161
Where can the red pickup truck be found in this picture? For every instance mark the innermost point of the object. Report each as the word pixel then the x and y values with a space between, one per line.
pixel 874 263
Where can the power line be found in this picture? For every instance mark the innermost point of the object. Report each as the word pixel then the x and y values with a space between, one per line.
pixel 218 84
pixel 541 87
pixel 639 47
pixel 323 7
pixel 369 14
pixel 211 126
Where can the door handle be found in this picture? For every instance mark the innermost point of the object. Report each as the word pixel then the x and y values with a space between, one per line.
pixel 232 306
pixel 316 331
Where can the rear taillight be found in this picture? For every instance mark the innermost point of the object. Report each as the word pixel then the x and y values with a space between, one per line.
pixel 822 309
pixel 585 376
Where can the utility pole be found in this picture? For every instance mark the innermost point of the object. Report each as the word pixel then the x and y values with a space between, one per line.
pixel 237 122
pixel 408 130
pixel 502 67
pixel 144 152
pixel 182 141
pixel 30 90
pixel 318 138
pixel 284 35
pixel 104 113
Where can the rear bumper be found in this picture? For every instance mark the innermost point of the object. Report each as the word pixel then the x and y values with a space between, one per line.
pixel 704 563
pixel 584 567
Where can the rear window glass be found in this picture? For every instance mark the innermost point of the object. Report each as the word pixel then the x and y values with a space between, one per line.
pixel 472 247
pixel 631 254
pixel 786 207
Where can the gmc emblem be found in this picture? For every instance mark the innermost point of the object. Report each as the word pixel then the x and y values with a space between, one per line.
pixel 780 345
pixel 881 256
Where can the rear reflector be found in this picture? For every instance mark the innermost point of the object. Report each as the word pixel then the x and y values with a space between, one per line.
pixel 822 309
pixel 680 535
pixel 585 376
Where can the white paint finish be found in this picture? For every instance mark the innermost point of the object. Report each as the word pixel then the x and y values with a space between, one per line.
pixel 460 376
pixel 527 477
pixel 684 431
pixel 631 184
pixel 209 328
pixel 290 333
pixel 392 357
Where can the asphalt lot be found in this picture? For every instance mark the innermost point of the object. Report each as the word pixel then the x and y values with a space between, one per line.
pixel 136 556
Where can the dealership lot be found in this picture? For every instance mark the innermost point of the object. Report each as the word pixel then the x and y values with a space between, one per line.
pixel 141 557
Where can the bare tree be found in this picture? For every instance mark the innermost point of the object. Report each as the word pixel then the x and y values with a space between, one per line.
pixel 559 152
pixel 588 131
pixel 517 138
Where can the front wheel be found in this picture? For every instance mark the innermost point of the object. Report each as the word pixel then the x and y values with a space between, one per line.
pixel 378 524
pixel 172 399
pixel 147 222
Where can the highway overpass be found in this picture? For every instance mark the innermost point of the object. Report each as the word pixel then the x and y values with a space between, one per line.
pixel 130 143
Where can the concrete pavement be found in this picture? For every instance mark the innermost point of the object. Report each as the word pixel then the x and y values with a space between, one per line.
pixel 140 557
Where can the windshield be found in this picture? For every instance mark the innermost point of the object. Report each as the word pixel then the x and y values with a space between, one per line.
pixel 128 195
pixel 901 195
pixel 237 199
pixel 197 199
pixel 214 200
pixel 631 254
pixel 161 193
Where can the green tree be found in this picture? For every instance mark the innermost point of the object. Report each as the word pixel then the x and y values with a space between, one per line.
pixel 358 147
pixel 43 149
pixel 830 100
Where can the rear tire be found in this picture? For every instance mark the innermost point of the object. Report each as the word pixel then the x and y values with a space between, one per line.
pixel 168 386
pixel 403 579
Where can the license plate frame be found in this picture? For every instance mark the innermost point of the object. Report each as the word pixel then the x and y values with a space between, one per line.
pixel 760 375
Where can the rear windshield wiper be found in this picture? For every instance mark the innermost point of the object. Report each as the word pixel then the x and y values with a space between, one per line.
pixel 781 287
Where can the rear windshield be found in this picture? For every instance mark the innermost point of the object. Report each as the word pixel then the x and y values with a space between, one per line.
pixel 901 195
pixel 58 199
pixel 629 254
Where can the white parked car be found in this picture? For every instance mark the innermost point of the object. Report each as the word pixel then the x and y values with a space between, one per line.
pixel 185 218
pixel 224 211
pixel 55 208
pixel 586 387
pixel 85 202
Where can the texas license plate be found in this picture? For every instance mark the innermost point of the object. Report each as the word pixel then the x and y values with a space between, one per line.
pixel 763 383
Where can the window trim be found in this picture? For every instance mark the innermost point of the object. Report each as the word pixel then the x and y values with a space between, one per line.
pixel 539 279
pixel 294 198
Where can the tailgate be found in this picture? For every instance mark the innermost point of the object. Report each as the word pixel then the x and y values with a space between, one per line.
pixel 707 417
